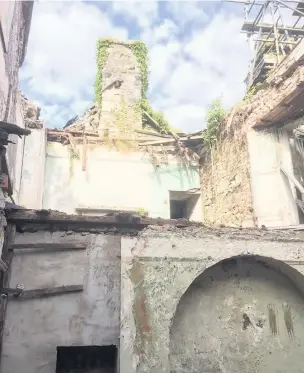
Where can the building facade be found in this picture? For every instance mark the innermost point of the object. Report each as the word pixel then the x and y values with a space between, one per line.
pixel 109 161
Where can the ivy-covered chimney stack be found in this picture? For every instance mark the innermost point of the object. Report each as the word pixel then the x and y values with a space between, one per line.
pixel 121 84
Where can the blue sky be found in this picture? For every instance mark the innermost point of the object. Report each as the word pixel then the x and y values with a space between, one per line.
pixel 196 52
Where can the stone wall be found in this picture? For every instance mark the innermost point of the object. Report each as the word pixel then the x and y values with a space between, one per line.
pixel 120 111
pixel 225 184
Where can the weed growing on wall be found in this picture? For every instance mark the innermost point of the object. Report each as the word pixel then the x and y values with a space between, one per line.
pixel 156 115
pixel 214 118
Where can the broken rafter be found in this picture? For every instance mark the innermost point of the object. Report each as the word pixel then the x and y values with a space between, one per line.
pixel 65 133
pixel 168 141
pixel 158 126
pixel 84 153
pixel 46 216
pixel 13 129
pixel 40 293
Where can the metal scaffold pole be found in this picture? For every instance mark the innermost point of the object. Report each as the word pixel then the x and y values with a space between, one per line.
pixel 264 24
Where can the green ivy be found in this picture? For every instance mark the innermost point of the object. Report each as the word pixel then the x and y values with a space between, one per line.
pixel 214 118
pixel 103 45
pixel 140 51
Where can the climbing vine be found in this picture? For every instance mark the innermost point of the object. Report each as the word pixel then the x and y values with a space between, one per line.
pixel 140 52
pixel 214 118
pixel 103 45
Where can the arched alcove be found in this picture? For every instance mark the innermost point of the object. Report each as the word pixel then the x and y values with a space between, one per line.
pixel 244 314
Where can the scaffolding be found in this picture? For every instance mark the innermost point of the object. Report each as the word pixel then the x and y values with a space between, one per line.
pixel 275 28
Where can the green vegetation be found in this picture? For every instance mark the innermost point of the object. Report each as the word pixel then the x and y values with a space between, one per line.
pixel 157 116
pixel 140 51
pixel 141 211
pixel 103 45
pixel 214 118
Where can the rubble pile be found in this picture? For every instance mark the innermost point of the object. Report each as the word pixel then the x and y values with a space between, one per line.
pixel 31 113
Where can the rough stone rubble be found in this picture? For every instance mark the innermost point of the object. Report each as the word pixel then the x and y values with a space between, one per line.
pixel 31 113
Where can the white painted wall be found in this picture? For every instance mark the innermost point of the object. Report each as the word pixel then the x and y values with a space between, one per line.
pixel 32 178
pixel 273 196
pixel 114 181
pixel 15 154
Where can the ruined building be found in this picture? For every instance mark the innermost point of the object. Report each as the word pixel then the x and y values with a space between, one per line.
pixel 124 292
pixel 255 175
pixel 116 157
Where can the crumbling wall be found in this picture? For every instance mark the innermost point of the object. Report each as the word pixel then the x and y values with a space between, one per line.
pixel 239 327
pixel 35 327
pixel 159 266
pixel 225 184
pixel 255 108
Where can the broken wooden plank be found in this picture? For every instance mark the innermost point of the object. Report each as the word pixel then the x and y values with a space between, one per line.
pixel 168 141
pixel 14 129
pixel 49 216
pixel 3 266
pixel 44 292
pixel 293 180
pixel 60 132
pixel 300 205
pixel 48 246
pixel 84 153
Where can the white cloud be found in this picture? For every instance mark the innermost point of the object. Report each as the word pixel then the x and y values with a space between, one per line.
pixel 60 63
pixel 143 12
pixel 190 65
pixel 189 74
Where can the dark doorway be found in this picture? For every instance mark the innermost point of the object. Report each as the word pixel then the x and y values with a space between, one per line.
pixel 178 209
pixel 86 359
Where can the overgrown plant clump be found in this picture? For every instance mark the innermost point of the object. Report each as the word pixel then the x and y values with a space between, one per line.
pixel 214 119
pixel 156 115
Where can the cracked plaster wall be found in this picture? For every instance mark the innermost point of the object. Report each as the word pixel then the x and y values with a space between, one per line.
pixel 133 288
pixel 34 328
pixel 256 322
pixel 158 268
